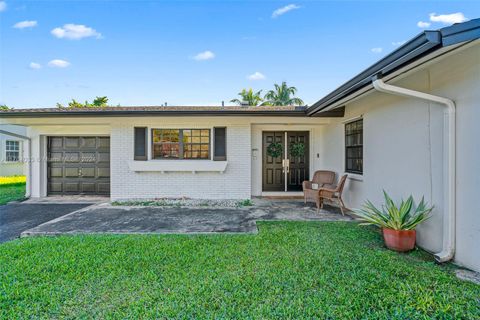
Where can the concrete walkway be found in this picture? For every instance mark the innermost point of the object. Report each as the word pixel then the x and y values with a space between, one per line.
pixel 104 218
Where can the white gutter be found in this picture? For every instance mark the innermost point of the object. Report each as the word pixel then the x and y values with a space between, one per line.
pixel 449 175
pixel 28 189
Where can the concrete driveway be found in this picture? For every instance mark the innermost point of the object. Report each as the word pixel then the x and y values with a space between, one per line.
pixel 18 217
pixel 104 218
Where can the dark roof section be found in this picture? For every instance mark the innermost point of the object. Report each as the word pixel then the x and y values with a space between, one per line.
pixel 158 111
pixel 418 47
pixel 290 111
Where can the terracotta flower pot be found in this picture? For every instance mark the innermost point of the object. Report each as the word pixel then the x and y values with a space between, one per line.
pixel 399 240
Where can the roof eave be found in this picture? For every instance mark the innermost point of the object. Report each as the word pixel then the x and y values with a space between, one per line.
pixel 143 113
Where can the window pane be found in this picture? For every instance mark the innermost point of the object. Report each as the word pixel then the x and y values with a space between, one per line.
pixel 12 156
pixel 12 146
pixel 12 150
pixel 354 146
pixel 166 143
pixel 181 143
pixel 198 146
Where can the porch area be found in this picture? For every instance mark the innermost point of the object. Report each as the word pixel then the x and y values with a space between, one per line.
pixel 136 219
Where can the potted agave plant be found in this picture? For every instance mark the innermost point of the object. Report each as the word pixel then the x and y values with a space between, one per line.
pixel 398 223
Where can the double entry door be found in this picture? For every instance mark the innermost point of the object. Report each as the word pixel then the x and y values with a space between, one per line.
pixel 285 157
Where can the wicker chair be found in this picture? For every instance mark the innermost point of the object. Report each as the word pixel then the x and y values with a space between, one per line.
pixel 322 178
pixel 333 194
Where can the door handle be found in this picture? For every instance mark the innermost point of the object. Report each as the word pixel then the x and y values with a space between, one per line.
pixel 80 172
pixel 286 165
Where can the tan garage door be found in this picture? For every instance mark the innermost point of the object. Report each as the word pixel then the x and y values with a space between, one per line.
pixel 78 165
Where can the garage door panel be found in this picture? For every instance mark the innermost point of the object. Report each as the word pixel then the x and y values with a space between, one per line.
pixel 103 172
pixel 72 142
pixel 90 142
pixel 72 157
pixel 103 188
pixel 103 143
pixel 89 187
pixel 88 172
pixel 103 157
pixel 56 142
pixel 55 157
pixel 56 173
pixel 89 157
pixel 71 187
pixel 78 165
pixel 72 172
pixel 55 187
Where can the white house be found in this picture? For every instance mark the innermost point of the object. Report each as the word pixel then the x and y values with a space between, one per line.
pixel 11 151
pixel 406 125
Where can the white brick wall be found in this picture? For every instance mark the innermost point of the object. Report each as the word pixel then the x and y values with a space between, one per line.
pixel 234 183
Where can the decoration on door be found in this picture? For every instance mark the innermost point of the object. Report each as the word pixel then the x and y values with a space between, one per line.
pixel 275 149
pixel 297 149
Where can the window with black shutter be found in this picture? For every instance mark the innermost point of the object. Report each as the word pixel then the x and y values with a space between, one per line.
pixel 354 147
pixel 140 148
pixel 220 144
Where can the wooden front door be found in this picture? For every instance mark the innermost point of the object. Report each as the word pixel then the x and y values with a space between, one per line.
pixel 287 171
pixel 273 173
pixel 298 162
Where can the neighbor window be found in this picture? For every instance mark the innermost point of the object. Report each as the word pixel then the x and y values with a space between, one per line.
pixel 12 151
pixel 181 143
pixel 354 147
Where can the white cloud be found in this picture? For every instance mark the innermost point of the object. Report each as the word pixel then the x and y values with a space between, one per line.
pixel 75 32
pixel 377 50
pixel 206 55
pixel 423 24
pixel 25 24
pixel 3 6
pixel 398 43
pixel 34 65
pixel 283 10
pixel 57 63
pixel 256 76
pixel 448 18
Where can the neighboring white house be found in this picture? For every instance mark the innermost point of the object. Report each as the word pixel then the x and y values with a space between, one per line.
pixel 11 151
pixel 385 138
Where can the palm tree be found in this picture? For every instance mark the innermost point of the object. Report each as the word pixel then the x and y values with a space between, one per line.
pixel 100 101
pixel 248 97
pixel 283 95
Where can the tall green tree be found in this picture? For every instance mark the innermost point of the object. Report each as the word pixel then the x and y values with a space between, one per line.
pixel 249 97
pixel 282 95
pixel 100 101
pixel 4 107
pixel 75 104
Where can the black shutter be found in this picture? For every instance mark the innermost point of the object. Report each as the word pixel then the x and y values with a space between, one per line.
pixel 140 148
pixel 220 144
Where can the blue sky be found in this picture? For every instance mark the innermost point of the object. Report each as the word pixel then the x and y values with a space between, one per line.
pixel 198 52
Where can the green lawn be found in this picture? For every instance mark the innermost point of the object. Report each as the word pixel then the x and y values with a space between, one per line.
pixel 11 192
pixel 334 270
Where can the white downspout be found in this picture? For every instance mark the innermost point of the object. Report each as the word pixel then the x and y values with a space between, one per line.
pixel 449 142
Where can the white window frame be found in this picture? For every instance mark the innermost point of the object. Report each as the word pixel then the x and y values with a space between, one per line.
pixel 8 150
